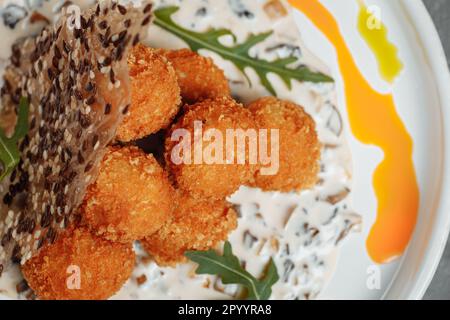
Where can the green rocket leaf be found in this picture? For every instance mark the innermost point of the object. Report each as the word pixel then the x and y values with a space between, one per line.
pixel 239 53
pixel 228 268
pixel 9 150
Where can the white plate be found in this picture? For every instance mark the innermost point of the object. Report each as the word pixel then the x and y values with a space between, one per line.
pixel 423 101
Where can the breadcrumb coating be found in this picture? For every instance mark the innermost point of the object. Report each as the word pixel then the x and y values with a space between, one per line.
pixel 155 94
pixel 132 197
pixel 198 77
pixel 208 179
pixel 101 267
pixel 299 147
pixel 196 225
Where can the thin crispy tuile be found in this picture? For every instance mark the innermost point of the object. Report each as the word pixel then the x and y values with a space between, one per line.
pixel 77 83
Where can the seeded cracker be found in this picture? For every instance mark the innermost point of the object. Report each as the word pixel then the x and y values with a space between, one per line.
pixel 77 83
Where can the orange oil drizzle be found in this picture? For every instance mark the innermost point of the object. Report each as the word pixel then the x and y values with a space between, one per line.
pixel 374 120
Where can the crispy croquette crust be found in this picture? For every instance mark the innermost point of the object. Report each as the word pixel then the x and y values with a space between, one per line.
pixel 155 94
pixel 300 148
pixel 196 225
pixel 103 267
pixel 198 77
pixel 203 180
pixel 132 197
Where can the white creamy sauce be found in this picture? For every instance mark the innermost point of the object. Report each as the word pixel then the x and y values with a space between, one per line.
pixel 301 232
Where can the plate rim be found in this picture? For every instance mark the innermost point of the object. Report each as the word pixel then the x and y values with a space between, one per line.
pixel 438 66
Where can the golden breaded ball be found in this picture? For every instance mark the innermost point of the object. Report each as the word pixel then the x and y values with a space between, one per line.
pixel 132 197
pixel 79 266
pixel 205 172
pixel 198 77
pixel 155 95
pixel 196 225
pixel 299 147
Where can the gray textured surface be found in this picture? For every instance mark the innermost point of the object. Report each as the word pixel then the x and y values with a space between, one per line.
pixel 440 286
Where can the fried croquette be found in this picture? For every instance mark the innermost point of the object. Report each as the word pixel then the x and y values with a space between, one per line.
pixel 155 95
pixel 131 198
pixel 219 173
pixel 299 147
pixel 198 77
pixel 196 225
pixel 79 266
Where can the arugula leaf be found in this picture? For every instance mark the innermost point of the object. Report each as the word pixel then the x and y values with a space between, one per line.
pixel 239 53
pixel 9 150
pixel 229 269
